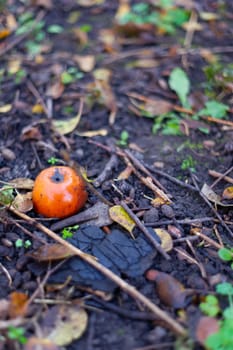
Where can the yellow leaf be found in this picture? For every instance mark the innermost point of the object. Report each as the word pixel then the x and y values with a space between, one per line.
pixel 166 240
pixel 5 108
pixel 4 33
pixel 118 214
pixel 37 109
pixel 70 324
pixel 228 193
pixel 14 66
pixel 93 133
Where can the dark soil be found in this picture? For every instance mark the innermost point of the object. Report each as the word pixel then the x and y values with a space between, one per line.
pixel 25 153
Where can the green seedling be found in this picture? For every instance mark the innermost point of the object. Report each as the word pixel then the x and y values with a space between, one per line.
pixel 210 306
pixel 53 161
pixel 27 24
pixel 226 254
pixel 188 163
pixel 55 29
pixel 223 339
pixel 19 243
pixel 179 82
pixel 124 138
pixel 6 195
pixel 214 109
pixel 17 333
pixel 71 75
pixel 219 78
pixel 165 16
pixel 68 232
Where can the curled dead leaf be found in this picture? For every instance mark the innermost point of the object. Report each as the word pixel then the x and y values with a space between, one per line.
pixel 18 304
pixel 51 252
pixel 228 193
pixel 65 323
pixel 23 202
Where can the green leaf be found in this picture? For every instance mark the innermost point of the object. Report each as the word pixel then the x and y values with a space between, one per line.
pixel 225 288
pixel 225 254
pixel 179 82
pixel 215 109
pixel 55 29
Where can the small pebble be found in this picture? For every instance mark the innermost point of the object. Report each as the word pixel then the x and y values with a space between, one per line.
pixel 151 215
pixel 8 154
pixel 167 211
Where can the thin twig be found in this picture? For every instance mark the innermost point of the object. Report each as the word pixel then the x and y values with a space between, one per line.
pixel 210 206
pixel 170 323
pixel 221 177
pixel 145 231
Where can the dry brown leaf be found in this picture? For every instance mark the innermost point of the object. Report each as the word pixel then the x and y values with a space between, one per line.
pixel 55 90
pixel 213 197
pixel 22 183
pixel 86 63
pixel 18 304
pixel 118 214
pixel 145 63
pixel 34 343
pixel 51 252
pixel 69 324
pixel 47 4
pixel 30 133
pixel 151 107
pixel 23 202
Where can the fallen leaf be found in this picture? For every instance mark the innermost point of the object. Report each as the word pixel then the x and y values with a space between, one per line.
pixel 55 90
pixel 228 193
pixel 14 66
pixel 150 107
pixel 166 240
pixel 170 291
pixel 51 252
pixel 144 63
pixel 47 4
pixel 212 196
pixel 5 108
pixel 37 109
pixel 4 33
pixel 86 63
pixel 23 202
pixel 22 183
pixel 118 214
pixel 69 323
pixel 34 343
pixel 30 133
pixel 125 174
pixel 18 304
pixel 92 133
pixel 208 16
pixel 205 327
pixel 64 127
pixel 89 3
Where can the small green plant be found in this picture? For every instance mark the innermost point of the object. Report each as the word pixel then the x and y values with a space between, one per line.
pixel 6 195
pixel 219 78
pixel 165 16
pixel 26 24
pixel 53 160
pixel 179 82
pixel 55 29
pixel 188 163
pixel 17 333
pixel 168 123
pixel 70 75
pixel 226 254
pixel 223 339
pixel 124 138
pixel 210 306
pixel 20 243
pixel 68 232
